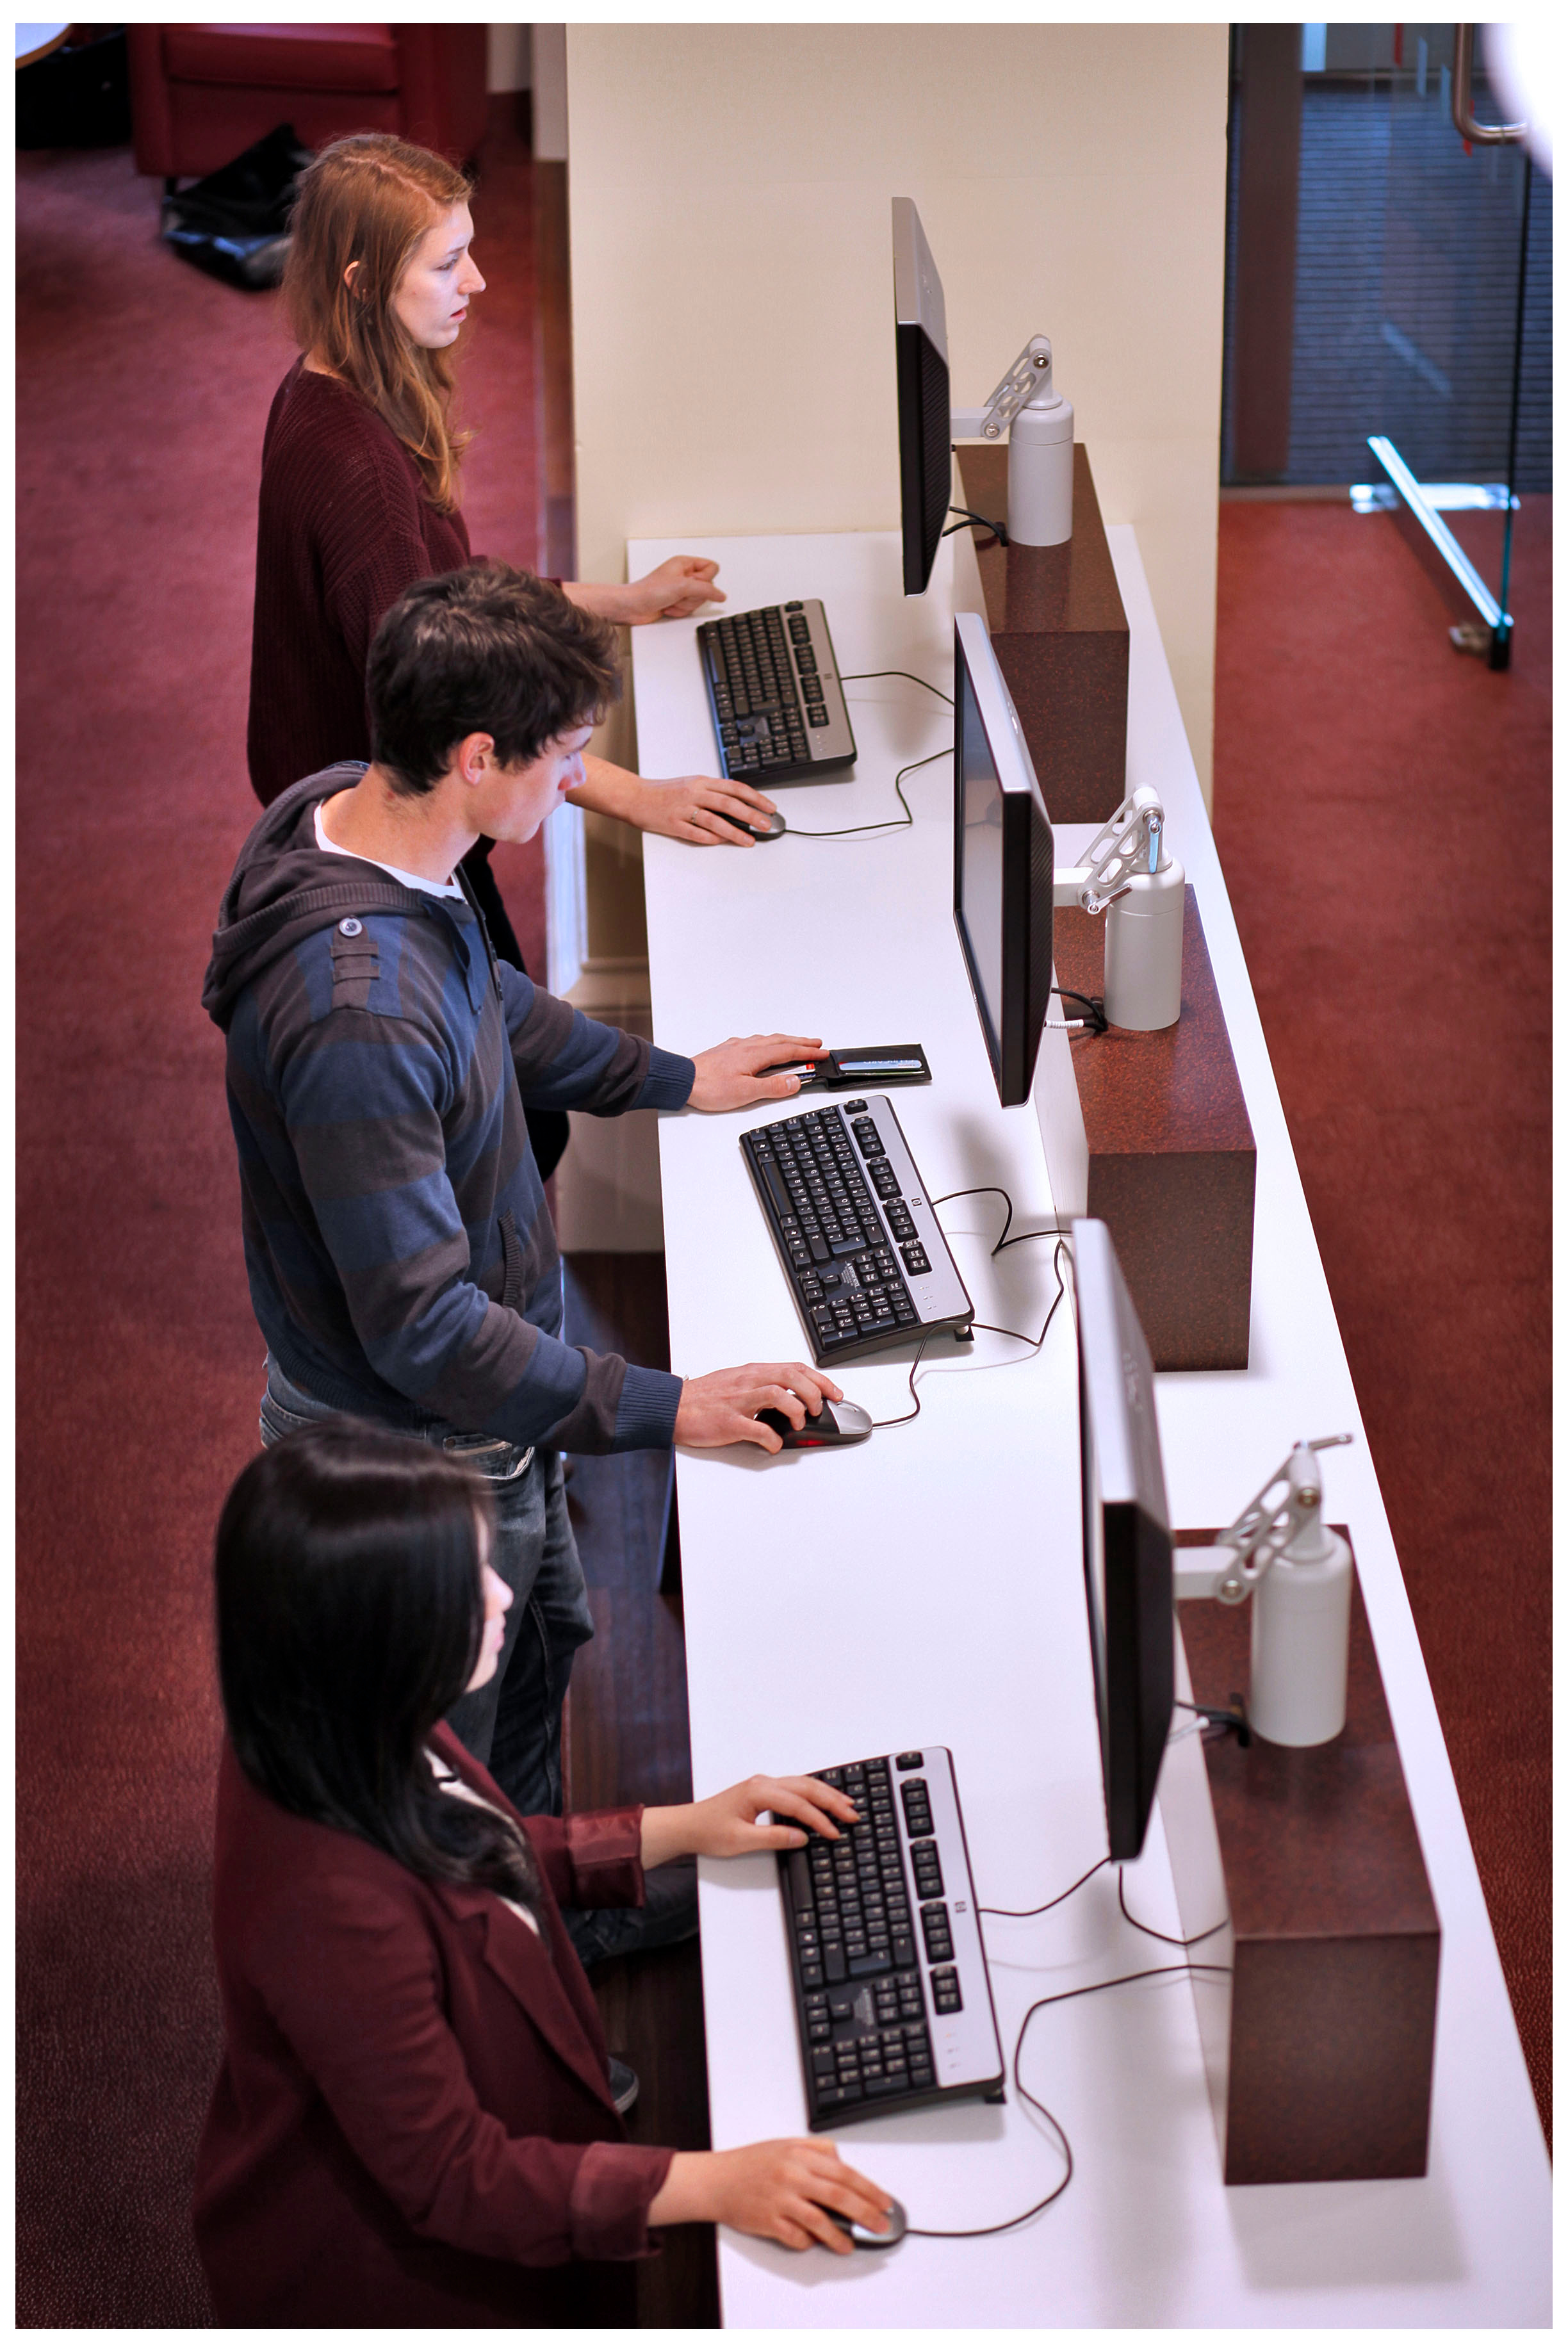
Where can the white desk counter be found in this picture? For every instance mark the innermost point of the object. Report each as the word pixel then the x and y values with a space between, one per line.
pixel 927 1587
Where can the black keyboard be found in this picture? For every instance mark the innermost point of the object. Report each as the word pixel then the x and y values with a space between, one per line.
pixel 893 1999
pixel 866 1260
pixel 772 683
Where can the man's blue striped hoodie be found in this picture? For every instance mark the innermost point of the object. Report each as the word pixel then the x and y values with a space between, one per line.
pixel 401 1256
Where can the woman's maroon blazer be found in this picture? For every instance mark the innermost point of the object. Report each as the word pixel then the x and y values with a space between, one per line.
pixel 413 2127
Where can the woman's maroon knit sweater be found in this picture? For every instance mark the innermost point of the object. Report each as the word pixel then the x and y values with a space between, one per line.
pixel 344 528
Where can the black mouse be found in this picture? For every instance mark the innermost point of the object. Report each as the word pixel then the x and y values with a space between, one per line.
pixel 873 2242
pixel 768 828
pixel 837 1424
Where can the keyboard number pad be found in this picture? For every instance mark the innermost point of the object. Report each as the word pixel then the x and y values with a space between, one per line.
pixel 944 1992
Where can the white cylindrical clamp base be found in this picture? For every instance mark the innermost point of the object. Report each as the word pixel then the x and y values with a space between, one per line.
pixel 1039 476
pixel 1143 950
pixel 1301 1646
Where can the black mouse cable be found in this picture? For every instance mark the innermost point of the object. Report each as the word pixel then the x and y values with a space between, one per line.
pixel 1045 1233
pixel 885 823
pixel 900 1418
pixel 992 1911
pixel 848 676
pixel 1063 1249
pixel 1037 1232
pixel 1181 1943
pixel 1075 1992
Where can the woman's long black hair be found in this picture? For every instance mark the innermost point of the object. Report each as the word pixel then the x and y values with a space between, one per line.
pixel 349 1615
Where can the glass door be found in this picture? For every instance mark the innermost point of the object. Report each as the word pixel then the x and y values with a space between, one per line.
pixel 1450 349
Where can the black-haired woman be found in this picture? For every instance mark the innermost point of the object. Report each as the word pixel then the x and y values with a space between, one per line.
pixel 413 2126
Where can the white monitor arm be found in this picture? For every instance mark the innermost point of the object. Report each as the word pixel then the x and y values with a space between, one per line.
pixel 1037 421
pixel 1130 878
pixel 1299 1573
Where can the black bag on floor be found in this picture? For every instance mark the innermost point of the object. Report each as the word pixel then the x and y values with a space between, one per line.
pixel 235 221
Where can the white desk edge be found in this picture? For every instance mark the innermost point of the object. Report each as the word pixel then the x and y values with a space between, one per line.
pixel 1488 2164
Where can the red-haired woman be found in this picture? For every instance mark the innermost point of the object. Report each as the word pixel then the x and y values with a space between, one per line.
pixel 359 493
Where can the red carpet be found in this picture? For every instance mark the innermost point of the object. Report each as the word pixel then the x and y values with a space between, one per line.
pixel 1383 810
pixel 143 391
pixel 1408 1026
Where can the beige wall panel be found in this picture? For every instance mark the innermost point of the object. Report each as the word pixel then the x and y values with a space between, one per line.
pixel 733 277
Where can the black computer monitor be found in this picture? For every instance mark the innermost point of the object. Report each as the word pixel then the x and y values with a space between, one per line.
pixel 925 408
pixel 1003 864
pixel 1126 1538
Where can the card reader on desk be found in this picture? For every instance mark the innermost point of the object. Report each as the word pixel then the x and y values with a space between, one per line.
pixel 847 1067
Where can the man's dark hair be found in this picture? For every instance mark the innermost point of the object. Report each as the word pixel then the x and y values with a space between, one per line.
pixel 350 1616
pixel 487 650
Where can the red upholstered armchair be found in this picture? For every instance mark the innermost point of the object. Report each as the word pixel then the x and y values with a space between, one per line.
pixel 202 93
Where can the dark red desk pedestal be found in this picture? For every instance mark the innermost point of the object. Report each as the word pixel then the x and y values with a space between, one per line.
pixel 1319 2047
pixel 1057 622
pixel 1158 1143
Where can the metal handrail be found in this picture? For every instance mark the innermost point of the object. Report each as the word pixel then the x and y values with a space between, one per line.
pixel 1482 134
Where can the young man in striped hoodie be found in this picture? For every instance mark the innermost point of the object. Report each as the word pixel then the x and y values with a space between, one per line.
pixel 401 1257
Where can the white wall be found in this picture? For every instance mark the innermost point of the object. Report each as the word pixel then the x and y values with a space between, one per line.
pixel 505 58
pixel 733 282
pixel 549 69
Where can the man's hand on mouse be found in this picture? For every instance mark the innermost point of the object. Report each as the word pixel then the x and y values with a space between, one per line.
pixel 729 1075
pixel 699 809
pixel 777 2188
pixel 721 1408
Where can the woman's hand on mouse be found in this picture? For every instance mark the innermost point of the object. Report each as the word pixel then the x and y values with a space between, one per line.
pixel 775 2188
pixel 727 1824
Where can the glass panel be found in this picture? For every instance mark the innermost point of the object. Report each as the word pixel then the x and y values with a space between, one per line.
pixel 1423 281
pixel 1452 234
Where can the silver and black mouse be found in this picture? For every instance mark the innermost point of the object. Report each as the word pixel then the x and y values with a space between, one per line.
pixel 870 2240
pixel 767 828
pixel 837 1424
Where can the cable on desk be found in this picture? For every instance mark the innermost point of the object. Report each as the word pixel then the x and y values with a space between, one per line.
pixel 1037 1232
pixel 1061 1250
pixel 998 530
pixel 991 1911
pixel 883 824
pixel 993 2229
pixel 849 677
pixel 1181 1943
pixel 900 1418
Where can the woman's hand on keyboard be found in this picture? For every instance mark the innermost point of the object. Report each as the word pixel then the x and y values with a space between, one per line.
pixel 721 1408
pixel 727 1824
pixel 775 2188
pixel 728 1077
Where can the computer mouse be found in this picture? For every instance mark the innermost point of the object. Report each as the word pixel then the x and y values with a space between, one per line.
pixel 837 1424
pixel 766 829
pixel 873 2242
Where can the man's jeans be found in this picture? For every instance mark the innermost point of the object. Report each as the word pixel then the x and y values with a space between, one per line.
pixel 514 1723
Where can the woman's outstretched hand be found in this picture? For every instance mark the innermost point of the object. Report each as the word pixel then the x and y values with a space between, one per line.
pixel 727 1824
pixel 675 589
pixel 775 2188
